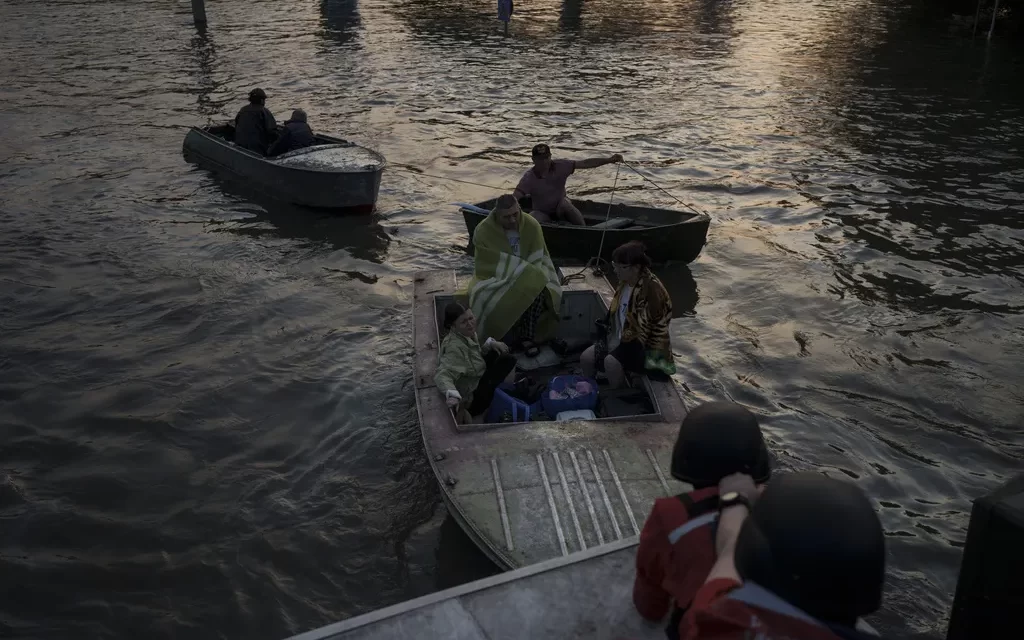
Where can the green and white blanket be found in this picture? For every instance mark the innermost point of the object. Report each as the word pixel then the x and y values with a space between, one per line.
pixel 504 286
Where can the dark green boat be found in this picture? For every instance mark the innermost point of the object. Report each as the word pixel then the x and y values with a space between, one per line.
pixel 668 234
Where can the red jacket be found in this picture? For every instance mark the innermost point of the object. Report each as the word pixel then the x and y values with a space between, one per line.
pixel 676 552
pixel 724 609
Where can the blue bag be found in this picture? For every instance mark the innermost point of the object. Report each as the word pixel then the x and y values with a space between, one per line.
pixel 504 403
pixel 563 394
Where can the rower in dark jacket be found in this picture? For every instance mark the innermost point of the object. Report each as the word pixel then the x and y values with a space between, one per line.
pixel 295 135
pixel 255 127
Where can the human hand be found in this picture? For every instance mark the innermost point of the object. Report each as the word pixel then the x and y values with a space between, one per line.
pixel 452 397
pixel 741 483
pixel 500 347
pixel 616 158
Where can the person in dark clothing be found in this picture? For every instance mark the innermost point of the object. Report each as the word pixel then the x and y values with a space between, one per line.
pixel 804 559
pixel 296 135
pixel 255 127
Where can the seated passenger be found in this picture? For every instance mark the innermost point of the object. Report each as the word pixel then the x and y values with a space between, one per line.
pixel 805 561
pixel 635 333
pixel 466 376
pixel 255 127
pixel 515 292
pixel 296 134
pixel 677 544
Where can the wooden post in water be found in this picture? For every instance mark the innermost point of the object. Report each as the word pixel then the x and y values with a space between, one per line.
pixel 199 12
pixel 977 16
pixel 992 27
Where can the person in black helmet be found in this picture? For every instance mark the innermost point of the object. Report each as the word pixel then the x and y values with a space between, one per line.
pixel 804 562
pixel 255 127
pixel 677 545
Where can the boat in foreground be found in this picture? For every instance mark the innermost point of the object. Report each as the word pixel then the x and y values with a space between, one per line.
pixel 527 492
pixel 585 595
pixel 332 174
pixel 668 234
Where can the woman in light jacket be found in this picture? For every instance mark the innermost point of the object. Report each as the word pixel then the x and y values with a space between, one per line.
pixel 467 374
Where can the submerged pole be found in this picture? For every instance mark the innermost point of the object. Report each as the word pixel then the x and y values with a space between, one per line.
pixel 199 12
pixel 992 27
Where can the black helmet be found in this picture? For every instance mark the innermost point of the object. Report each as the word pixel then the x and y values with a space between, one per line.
pixel 718 439
pixel 817 543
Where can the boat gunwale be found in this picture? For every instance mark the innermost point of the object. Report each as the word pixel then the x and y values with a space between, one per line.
pixel 693 218
pixel 456 592
pixel 221 142
pixel 456 511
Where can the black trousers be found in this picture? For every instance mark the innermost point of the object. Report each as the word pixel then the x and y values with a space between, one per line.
pixel 498 367
pixel 525 328
pixel 630 355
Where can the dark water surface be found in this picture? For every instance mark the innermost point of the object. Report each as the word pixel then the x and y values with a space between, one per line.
pixel 207 423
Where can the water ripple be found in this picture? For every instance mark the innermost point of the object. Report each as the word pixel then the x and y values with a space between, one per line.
pixel 208 424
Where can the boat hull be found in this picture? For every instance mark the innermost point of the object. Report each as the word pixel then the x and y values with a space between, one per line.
pixel 345 191
pixel 668 235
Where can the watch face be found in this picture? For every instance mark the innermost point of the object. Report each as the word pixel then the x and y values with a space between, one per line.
pixel 729 497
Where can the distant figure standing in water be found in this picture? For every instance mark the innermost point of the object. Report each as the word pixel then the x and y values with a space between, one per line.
pixel 505 8
pixel 255 127
pixel 295 135
pixel 545 184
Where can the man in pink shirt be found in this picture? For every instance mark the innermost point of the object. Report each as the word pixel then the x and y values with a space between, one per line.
pixel 545 184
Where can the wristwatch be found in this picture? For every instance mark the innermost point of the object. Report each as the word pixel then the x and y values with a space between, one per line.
pixel 732 499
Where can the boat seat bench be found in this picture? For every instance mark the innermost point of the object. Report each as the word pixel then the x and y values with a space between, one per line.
pixel 614 223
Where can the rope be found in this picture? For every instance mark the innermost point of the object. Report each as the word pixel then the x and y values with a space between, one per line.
pixel 575 276
pixel 597 260
pixel 427 175
pixel 503 188
pixel 608 215
pixel 657 186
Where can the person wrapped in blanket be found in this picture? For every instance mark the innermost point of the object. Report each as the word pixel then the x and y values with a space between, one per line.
pixel 467 374
pixel 634 337
pixel 515 292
